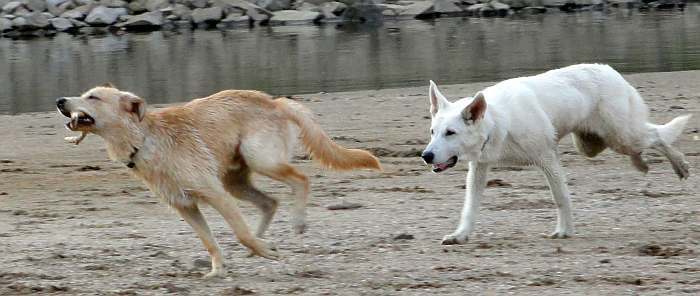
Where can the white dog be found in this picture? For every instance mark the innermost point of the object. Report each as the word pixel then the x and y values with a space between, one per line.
pixel 520 121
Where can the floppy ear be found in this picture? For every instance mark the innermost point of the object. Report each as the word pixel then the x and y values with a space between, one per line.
pixel 133 104
pixel 108 84
pixel 476 109
pixel 437 100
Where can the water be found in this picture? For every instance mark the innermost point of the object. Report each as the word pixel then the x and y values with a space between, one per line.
pixel 172 67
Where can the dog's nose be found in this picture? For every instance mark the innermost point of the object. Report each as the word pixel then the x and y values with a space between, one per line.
pixel 428 156
pixel 60 102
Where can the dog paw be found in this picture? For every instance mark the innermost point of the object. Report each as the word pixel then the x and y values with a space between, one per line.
pixel 561 234
pixel 214 274
pixel 263 250
pixel 682 170
pixel 299 228
pixel 454 239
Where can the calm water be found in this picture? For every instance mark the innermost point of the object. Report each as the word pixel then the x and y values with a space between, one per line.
pixel 171 67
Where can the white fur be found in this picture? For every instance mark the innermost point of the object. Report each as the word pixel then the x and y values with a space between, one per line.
pixel 526 117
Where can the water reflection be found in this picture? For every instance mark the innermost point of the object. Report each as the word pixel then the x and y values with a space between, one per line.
pixel 171 67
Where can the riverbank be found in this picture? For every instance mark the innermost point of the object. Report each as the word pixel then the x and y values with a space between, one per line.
pixel 35 18
pixel 73 222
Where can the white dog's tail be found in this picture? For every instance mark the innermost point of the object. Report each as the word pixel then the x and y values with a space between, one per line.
pixel 320 147
pixel 668 133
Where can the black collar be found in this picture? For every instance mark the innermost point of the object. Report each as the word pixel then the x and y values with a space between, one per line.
pixel 484 145
pixel 131 163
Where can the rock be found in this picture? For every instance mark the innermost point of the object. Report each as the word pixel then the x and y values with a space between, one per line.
pixel 62 24
pixel 182 12
pixel 344 205
pixel 256 13
pixel 84 2
pixel 5 25
pixel 554 3
pixel 137 7
pixel 77 13
pixel 236 19
pixel 517 4
pixel 493 8
pixel 59 9
pixel 259 16
pixel 18 22
pixel 534 9
pixel 35 5
pixel 77 23
pixel 148 20
pixel 10 7
pixel 476 8
pixel 306 6
pixel 421 9
pixel 291 17
pixel 448 7
pixel 21 11
pixel 56 2
pixel 32 22
pixel 153 5
pixel 102 15
pixel 274 5
pixel 332 9
pixel 498 6
pixel 114 3
pixel 207 15
pixel 199 3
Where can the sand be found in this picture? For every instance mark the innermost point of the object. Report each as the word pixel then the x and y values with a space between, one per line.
pixel 73 222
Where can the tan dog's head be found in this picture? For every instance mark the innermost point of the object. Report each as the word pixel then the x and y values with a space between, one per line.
pixel 102 110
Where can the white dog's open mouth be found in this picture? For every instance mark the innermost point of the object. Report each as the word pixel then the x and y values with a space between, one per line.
pixel 79 120
pixel 439 167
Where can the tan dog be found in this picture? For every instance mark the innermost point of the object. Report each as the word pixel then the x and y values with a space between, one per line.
pixel 206 150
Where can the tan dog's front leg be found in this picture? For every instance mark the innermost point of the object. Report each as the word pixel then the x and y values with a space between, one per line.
pixel 194 217
pixel 225 204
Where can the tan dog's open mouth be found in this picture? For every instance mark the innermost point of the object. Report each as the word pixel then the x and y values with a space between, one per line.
pixel 79 121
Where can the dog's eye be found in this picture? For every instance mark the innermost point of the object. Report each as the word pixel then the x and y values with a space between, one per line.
pixel 449 133
pixel 93 98
pixel 431 131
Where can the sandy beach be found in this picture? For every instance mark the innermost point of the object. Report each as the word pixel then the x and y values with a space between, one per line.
pixel 73 222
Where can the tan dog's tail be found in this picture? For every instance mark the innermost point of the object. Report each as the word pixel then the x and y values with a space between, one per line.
pixel 322 148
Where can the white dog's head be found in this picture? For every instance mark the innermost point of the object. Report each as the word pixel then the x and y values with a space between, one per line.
pixel 456 130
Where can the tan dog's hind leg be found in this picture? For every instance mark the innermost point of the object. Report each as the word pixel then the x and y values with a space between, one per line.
pixel 194 217
pixel 226 205
pixel 238 183
pixel 300 190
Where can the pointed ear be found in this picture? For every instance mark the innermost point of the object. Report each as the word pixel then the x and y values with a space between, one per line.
pixel 437 100
pixel 133 104
pixel 476 109
pixel 108 84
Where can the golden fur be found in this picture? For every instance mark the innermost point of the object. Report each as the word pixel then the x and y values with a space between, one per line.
pixel 206 150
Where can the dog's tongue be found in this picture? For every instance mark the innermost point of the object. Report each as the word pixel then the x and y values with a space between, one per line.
pixel 440 166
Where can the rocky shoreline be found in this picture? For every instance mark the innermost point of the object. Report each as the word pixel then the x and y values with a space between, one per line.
pixel 35 18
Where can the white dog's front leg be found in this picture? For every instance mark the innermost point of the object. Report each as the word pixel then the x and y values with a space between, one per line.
pixel 476 182
pixel 560 194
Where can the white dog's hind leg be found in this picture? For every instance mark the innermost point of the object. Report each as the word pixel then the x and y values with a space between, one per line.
pixel 476 182
pixel 194 217
pixel 560 194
